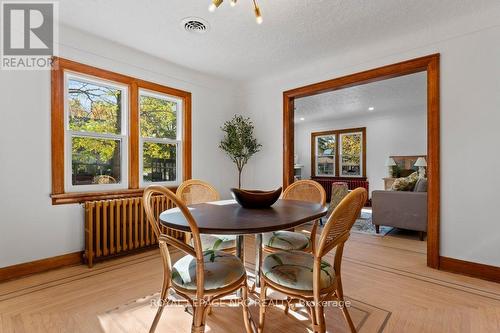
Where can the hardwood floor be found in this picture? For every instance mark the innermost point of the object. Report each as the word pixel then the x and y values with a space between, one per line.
pixel 385 278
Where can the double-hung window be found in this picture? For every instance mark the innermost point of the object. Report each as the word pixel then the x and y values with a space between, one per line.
pixel 96 134
pixel 325 156
pixel 339 153
pixel 161 134
pixel 351 154
pixel 113 134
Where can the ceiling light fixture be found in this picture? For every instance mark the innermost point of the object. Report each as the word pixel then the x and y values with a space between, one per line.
pixel 214 5
pixel 371 108
pixel 258 15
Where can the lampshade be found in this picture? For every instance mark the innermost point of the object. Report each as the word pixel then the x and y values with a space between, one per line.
pixel 421 162
pixel 390 162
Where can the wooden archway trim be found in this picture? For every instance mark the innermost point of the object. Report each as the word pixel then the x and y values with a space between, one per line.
pixel 429 64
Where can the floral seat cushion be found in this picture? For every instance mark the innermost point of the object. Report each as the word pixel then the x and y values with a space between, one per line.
pixel 294 269
pixel 221 269
pixel 217 242
pixel 286 240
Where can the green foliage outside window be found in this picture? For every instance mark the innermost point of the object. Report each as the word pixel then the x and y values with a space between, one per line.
pixel 96 108
pixel 158 118
pixel 326 144
pixel 351 149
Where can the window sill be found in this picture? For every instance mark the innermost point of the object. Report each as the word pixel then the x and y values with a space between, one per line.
pixel 81 197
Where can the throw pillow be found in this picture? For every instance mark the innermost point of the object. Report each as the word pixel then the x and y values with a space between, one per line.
pixel 405 183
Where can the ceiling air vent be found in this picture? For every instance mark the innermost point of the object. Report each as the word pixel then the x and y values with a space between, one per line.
pixel 195 25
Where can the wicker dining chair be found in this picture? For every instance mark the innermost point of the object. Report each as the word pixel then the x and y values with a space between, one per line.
pixel 302 190
pixel 196 191
pixel 306 276
pixel 201 277
pixel 104 179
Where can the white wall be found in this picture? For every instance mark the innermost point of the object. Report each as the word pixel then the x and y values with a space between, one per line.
pixel 470 103
pixel 397 133
pixel 30 227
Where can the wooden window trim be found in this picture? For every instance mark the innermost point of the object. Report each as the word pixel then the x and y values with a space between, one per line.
pixel 337 134
pixel 59 66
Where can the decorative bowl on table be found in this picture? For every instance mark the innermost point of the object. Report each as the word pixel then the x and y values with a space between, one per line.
pixel 255 198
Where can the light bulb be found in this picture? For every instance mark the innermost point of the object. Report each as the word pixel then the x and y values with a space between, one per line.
pixel 214 5
pixel 258 16
pixel 233 3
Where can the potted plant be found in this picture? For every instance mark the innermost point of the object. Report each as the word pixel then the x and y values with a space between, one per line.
pixel 239 142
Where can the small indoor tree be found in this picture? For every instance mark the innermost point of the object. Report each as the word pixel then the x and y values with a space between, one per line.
pixel 239 142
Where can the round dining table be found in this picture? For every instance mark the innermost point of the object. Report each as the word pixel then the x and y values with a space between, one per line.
pixel 227 217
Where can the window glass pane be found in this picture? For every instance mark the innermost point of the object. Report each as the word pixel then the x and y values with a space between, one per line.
pixel 95 161
pixel 351 154
pixel 325 166
pixel 94 107
pixel 159 162
pixel 158 117
pixel 326 145
pixel 325 159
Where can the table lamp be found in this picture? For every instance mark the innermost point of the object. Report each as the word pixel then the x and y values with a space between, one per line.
pixel 421 163
pixel 390 163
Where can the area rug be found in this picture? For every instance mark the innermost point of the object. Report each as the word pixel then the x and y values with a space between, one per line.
pixel 364 225
pixel 136 316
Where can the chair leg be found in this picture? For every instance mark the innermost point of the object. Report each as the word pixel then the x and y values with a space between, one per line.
pixel 206 310
pixel 199 314
pixel 320 320
pixel 262 306
pixel 348 319
pixel 287 304
pixel 314 321
pixel 340 296
pixel 246 315
pixel 163 299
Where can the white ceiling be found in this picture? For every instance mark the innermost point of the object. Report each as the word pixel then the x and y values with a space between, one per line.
pixel 402 94
pixel 293 32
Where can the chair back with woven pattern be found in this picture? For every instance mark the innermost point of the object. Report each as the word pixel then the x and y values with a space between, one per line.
pixel 305 190
pixel 164 239
pixel 337 229
pixel 196 191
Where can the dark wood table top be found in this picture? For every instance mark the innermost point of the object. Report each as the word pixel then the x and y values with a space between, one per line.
pixel 229 218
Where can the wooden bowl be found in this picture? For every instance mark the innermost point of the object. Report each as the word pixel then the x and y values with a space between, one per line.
pixel 255 198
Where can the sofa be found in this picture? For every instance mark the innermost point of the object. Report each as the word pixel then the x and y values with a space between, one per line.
pixel 401 209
